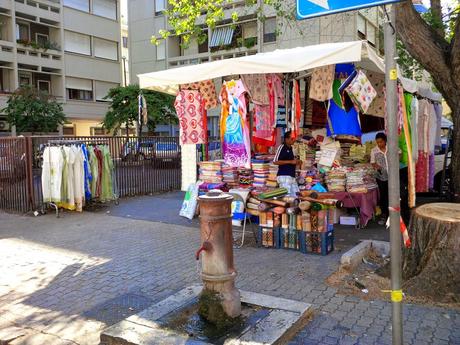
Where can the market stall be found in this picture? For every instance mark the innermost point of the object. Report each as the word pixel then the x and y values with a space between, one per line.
pixel 323 96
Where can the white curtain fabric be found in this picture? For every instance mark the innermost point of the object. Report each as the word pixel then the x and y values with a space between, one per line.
pixel 105 8
pixel 78 84
pixel 102 89
pixel 105 49
pixel 77 43
pixel 82 5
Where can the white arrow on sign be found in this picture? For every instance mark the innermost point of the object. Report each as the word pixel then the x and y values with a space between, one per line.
pixel 322 3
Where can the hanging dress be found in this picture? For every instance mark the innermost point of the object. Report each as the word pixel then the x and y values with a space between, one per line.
pixel 233 125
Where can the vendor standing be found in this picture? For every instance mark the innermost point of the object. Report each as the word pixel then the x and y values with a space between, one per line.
pixel 287 163
pixel 379 161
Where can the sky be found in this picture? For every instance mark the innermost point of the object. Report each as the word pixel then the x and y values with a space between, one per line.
pixel 445 3
pixel 124 7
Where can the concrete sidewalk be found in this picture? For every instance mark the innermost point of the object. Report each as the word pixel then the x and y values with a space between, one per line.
pixel 64 280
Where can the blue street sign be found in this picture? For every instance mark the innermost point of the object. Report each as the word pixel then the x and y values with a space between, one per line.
pixel 315 8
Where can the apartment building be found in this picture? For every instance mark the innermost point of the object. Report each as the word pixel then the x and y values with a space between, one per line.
pixel 68 48
pixel 249 36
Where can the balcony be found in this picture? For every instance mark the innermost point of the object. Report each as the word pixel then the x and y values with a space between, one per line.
pixel 33 55
pixel 206 57
pixel 5 4
pixel 43 11
pixel 47 82
pixel 6 51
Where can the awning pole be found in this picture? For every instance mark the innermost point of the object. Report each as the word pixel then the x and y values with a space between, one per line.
pixel 391 76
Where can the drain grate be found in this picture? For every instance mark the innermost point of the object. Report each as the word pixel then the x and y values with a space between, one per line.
pixel 119 308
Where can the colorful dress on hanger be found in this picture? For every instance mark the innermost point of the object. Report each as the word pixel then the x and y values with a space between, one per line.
pixel 296 110
pixel 234 129
pixel 265 117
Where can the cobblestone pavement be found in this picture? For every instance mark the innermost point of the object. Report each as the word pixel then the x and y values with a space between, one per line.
pixel 56 272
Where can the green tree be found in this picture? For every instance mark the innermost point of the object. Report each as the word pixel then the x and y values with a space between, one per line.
pixel 32 110
pixel 123 109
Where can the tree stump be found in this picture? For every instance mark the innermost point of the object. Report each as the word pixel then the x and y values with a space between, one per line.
pixel 431 266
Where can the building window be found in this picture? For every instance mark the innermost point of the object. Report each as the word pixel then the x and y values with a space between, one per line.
pixel 270 30
pixel 77 43
pixel 97 131
pixel 69 130
pixel 41 39
pixel 203 47
pixel 125 42
pixel 23 31
pixel 102 90
pixel 105 8
pixel 105 49
pixel 44 85
pixel 79 89
pixel 160 6
pixel 82 5
pixel 161 50
pixel 371 34
pixel 361 25
pixel 25 79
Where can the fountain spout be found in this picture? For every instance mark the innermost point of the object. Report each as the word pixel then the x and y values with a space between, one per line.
pixel 218 272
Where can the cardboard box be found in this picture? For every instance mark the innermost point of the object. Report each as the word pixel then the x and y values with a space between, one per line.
pixel 348 220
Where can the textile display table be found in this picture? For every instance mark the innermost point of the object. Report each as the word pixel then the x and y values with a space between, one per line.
pixel 366 202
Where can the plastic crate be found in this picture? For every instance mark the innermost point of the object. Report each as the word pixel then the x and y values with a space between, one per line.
pixel 290 239
pixel 319 243
pixel 275 232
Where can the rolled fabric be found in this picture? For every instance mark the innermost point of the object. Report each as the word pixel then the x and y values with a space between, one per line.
pixel 305 205
pixel 254 201
pixel 263 206
pixel 279 210
pixel 293 210
pixel 284 221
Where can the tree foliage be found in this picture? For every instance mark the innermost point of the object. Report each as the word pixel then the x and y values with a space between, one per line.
pixel 32 110
pixel 185 17
pixel 124 108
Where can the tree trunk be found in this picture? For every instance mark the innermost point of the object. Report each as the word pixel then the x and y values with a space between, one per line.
pixel 455 161
pixel 430 266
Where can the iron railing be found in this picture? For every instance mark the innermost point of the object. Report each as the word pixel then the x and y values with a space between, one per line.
pixel 15 174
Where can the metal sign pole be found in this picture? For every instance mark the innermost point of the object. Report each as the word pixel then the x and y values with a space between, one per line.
pixel 391 81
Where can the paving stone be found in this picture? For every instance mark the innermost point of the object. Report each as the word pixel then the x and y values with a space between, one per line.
pixel 69 267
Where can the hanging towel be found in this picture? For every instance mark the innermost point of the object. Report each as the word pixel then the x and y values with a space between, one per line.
pixel 256 86
pixel 321 83
pixel 207 90
pixel 189 108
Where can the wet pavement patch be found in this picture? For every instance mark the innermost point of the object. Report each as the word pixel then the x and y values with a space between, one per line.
pixel 113 311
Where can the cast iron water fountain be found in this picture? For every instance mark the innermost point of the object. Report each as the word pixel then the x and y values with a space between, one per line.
pixel 216 312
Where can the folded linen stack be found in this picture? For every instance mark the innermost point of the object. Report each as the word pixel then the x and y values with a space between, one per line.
pixel 336 180
pixel 245 177
pixel 361 179
pixel 230 175
pixel 260 169
pixel 272 175
pixel 210 171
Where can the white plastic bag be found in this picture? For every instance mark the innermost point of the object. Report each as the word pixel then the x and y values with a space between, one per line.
pixel 190 201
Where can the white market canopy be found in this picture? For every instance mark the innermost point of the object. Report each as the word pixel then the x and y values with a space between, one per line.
pixel 278 61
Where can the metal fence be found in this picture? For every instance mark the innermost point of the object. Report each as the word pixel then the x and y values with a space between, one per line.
pixel 142 165
pixel 15 174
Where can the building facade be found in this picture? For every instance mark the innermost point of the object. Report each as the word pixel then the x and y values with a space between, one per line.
pixel 68 48
pixel 249 36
